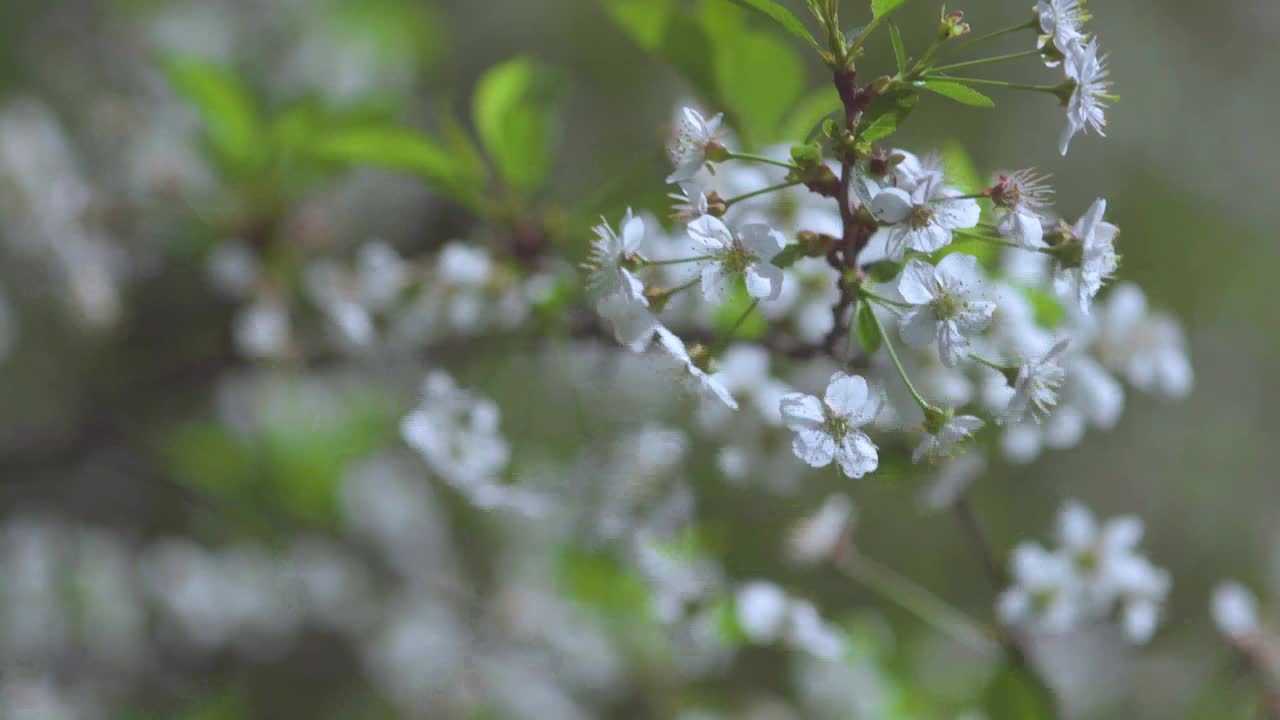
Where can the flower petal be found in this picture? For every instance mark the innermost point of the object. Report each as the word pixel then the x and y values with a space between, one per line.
pixel 918 285
pixel 762 240
pixel 846 393
pixel 801 412
pixel 857 455
pixel 715 284
pixel 891 205
pixel 919 327
pixel 814 447
pixel 710 232
pixel 764 280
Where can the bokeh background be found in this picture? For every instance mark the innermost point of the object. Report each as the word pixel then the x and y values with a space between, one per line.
pixel 138 448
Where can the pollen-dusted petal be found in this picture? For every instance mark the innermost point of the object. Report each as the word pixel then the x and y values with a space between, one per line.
pixel 715 283
pixel 919 327
pixel 959 272
pixel 846 393
pixel 801 412
pixel 891 205
pixel 857 455
pixel 711 233
pixel 764 280
pixel 814 447
pixel 918 284
pixel 952 344
pixel 762 240
pixel 956 214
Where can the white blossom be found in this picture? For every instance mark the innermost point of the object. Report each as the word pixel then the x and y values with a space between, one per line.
pixel 688 148
pixel 1147 348
pixel 748 254
pixel 1234 609
pixel 457 433
pixel 606 264
pixel 922 217
pixel 1035 391
pixel 953 432
pixel 1097 259
pixel 828 429
pixel 1060 24
pixel 675 348
pixel 818 535
pixel 1086 107
pixel 762 610
pixel 1043 592
pixel 946 305
pixel 1019 198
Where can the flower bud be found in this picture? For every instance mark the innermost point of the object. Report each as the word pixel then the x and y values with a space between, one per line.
pixel 953 25
pixel 717 152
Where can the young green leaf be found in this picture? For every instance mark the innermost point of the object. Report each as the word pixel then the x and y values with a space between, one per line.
pixel 513 113
pixel 868 330
pixel 400 150
pixel 645 21
pixel 886 112
pixel 1016 693
pixel 805 119
pixel 229 114
pixel 899 50
pixel 880 8
pixel 958 92
pixel 780 15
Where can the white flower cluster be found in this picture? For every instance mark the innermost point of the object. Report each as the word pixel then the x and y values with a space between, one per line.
pixel 457 433
pixel 1095 570
pixel 1064 42
pixel 48 205
pixel 380 301
pixel 767 614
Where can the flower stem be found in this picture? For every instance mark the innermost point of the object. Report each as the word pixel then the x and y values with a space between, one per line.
pixel 762 191
pixel 1051 89
pixel 985 61
pixel 677 261
pixel 915 599
pixel 881 299
pixel 748 157
pixel 893 355
pixel 1029 25
pixel 978 536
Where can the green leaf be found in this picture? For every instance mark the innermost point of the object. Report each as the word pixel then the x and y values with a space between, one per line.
pixel 899 50
pixel 1016 693
pixel 227 110
pixel 645 21
pixel 400 150
pixel 880 8
pixel 882 271
pixel 732 310
pixel 868 329
pixel 758 75
pixel 962 174
pixel 886 112
pixel 780 15
pixel 805 119
pixel 1048 309
pixel 959 92
pixel 789 255
pixel 513 113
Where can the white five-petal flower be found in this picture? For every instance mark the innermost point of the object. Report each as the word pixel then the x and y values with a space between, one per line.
pixel 609 252
pixel 1234 610
pixel 828 429
pixel 1018 198
pixel 946 306
pixel 1086 107
pixel 1035 390
pixel 953 432
pixel 922 219
pixel 749 254
pixel 1060 22
pixel 675 347
pixel 1096 260
pixel 688 148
